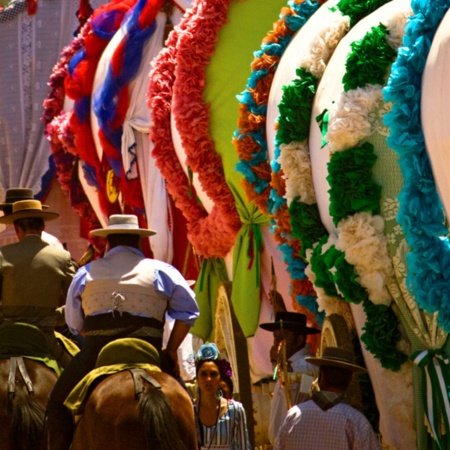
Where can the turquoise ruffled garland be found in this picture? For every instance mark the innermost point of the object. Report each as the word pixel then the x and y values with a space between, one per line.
pixel 421 213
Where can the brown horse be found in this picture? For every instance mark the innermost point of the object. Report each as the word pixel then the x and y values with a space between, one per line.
pixel 22 413
pixel 115 417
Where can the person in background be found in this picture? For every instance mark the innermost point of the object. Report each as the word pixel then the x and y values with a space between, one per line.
pixel 221 422
pixel 16 194
pixel 290 329
pixel 226 383
pixel 34 276
pixel 120 295
pixel 326 421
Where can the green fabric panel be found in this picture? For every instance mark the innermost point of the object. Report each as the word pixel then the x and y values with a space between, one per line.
pixel 387 173
pixel 245 294
pixel 229 70
pixel 227 76
pixel 212 273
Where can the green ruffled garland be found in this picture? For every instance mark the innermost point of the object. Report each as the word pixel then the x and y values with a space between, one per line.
pixel 352 190
pixel 295 109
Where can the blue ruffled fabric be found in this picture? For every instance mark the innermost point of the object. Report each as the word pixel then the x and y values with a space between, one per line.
pixel 421 213
pixel 105 102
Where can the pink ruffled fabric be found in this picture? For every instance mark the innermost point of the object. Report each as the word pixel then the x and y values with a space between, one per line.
pixel 190 46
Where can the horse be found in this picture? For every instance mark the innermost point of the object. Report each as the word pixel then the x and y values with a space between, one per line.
pixel 128 410
pixel 22 402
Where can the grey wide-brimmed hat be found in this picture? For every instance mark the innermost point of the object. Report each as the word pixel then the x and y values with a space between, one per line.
pixel 13 195
pixel 289 321
pixel 28 209
pixel 336 357
pixel 123 224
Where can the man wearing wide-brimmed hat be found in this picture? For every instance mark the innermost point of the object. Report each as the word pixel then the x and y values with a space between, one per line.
pixel 123 294
pixel 290 330
pixel 35 276
pixel 326 421
pixel 16 194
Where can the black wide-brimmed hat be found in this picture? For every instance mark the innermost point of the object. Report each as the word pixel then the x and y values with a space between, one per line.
pixel 289 321
pixel 336 357
pixel 15 195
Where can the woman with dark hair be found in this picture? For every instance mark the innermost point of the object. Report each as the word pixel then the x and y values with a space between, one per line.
pixel 221 422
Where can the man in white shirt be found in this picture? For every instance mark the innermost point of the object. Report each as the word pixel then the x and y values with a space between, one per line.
pixel 120 295
pixel 290 329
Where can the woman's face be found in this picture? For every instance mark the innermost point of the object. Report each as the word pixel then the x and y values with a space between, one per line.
pixel 208 378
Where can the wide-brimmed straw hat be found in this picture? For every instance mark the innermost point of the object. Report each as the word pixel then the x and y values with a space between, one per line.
pixel 123 224
pixel 336 357
pixel 28 209
pixel 15 195
pixel 289 321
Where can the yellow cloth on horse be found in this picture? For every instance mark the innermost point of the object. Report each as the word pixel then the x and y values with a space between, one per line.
pixel 119 355
pixel 23 339
pixel 68 344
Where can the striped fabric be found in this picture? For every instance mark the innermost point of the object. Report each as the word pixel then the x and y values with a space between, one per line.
pixel 230 432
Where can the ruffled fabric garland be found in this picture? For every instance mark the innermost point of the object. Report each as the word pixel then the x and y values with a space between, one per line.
pixel 62 141
pixel 298 223
pixel 79 86
pixel 192 43
pixel 111 104
pixel 70 132
pixel 292 158
pixel 421 213
pixel 249 138
pixel 355 197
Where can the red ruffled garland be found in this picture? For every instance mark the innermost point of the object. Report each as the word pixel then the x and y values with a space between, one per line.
pixel 211 235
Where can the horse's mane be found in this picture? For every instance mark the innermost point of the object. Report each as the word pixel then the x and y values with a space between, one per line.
pixel 160 428
pixel 27 422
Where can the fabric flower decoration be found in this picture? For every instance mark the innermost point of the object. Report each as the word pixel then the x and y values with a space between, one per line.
pixel 207 351
pixel 225 368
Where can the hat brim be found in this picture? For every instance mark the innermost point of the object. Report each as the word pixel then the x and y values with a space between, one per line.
pixel 10 205
pixel 335 363
pixel 293 326
pixel 30 214
pixel 104 232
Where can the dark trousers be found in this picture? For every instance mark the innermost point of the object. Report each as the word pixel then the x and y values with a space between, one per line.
pixel 59 420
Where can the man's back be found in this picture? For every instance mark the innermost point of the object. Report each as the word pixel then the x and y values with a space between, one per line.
pixel 35 277
pixel 308 427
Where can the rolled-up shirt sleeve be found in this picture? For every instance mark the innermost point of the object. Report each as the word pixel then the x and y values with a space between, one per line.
pixel 73 311
pixel 182 304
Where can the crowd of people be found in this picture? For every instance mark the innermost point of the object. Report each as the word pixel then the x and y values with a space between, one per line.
pixel 125 294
